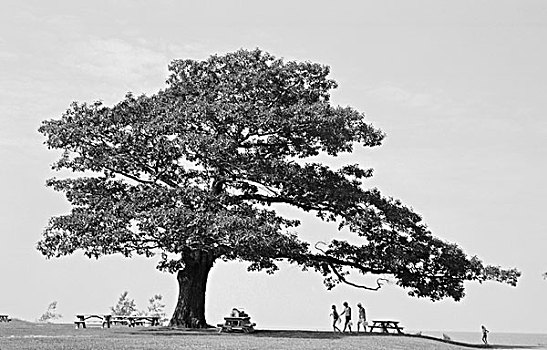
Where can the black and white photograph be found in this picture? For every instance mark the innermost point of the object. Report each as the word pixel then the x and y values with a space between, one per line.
pixel 238 174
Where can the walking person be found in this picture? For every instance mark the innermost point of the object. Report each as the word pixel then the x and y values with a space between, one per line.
pixel 335 319
pixel 484 334
pixel 347 313
pixel 362 318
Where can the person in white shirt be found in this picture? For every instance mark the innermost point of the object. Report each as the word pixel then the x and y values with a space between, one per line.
pixel 347 313
pixel 362 318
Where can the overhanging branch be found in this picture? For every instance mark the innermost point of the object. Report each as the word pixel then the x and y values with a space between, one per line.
pixel 330 261
pixel 285 200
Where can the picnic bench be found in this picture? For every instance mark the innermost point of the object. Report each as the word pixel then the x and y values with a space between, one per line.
pixel 4 318
pixel 109 320
pixel 133 321
pixel 232 324
pixel 385 326
pixel 237 321
pixel 82 319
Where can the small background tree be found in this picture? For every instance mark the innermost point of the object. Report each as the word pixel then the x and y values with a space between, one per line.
pixel 51 313
pixel 156 307
pixel 125 306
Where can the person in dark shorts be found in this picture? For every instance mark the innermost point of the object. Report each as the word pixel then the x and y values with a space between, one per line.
pixel 484 334
pixel 347 313
pixel 335 319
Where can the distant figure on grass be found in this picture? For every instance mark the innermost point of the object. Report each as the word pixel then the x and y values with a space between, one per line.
pixel 362 318
pixel 347 313
pixel 335 319
pixel 484 334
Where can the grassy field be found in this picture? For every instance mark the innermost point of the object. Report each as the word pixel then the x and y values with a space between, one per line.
pixel 26 335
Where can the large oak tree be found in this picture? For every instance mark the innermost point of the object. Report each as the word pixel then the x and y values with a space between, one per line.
pixel 195 172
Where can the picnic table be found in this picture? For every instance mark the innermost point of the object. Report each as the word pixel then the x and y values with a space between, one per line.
pixel 133 321
pixel 109 320
pixel 81 320
pixel 4 318
pixel 238 320
pixel 385 325
pixel 236 324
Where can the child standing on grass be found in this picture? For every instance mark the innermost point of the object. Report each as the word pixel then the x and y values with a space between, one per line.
pixel 484 334
pixel 335 319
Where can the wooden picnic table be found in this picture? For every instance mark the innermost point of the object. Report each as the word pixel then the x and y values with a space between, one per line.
pixel 4 318
pixel 81 320
pixel 109 320
pixel 133 321
pixel 236 324
pixel 385 326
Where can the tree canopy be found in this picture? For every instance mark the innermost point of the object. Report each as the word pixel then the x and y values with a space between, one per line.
pixel 194 171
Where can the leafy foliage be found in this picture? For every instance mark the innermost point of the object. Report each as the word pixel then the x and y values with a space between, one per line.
pixel 124 306
pixel 50 314
pixel 156 307
pixel 199 166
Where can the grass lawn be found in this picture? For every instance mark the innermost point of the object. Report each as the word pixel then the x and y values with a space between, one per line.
pixel 26 335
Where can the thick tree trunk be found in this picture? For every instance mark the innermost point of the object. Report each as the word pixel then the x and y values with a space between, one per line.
pixel 190 309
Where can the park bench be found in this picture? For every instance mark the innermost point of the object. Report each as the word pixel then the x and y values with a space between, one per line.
pixel 385 326
pixel 4 318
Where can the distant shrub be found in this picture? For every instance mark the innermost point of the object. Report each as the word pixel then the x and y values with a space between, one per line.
pixel 156 307
pixel 51 313
pixel 125 306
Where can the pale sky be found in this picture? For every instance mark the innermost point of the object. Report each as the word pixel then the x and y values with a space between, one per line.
pixel 458 86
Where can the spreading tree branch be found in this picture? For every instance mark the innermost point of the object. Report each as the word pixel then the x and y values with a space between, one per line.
pixel 341 277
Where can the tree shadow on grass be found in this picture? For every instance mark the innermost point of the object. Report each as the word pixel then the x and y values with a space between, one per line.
pixel 172 331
